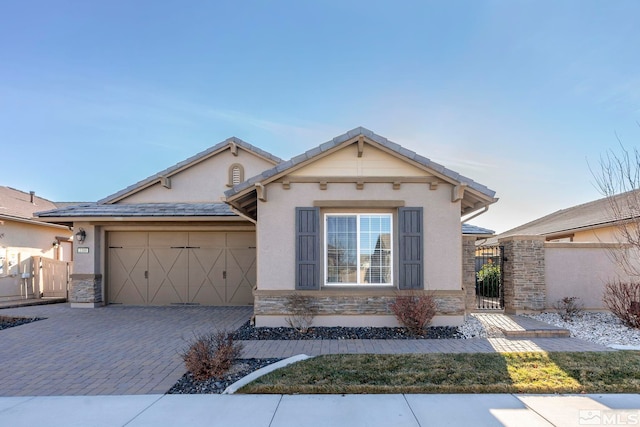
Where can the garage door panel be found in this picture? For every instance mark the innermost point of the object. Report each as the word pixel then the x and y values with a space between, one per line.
pixel 241 271
pixel 241 240
pixel 207 239
pixel 134 239
pixel 206 276
pixel 126 273
pixel 168 276
pixel 162 268
pixel 167 239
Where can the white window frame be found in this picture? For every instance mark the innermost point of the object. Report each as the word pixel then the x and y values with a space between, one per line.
pixel 359 279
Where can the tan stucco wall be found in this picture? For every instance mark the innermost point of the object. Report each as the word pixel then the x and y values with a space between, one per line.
pixel 580 270
pixel 374 162
pixel 276 233
pixel 88 263
pixel 203 182
pixel 604 234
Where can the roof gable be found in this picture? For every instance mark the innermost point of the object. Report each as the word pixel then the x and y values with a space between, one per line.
pixel 232 144
pixel 353 160
pixel 475 196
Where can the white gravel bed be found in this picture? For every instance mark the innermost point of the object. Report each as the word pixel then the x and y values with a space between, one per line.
pixel 472 328
pixel 602 328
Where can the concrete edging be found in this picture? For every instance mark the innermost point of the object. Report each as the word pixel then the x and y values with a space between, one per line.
pixel 264 371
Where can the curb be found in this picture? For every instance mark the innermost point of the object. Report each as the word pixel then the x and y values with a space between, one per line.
pixel 264 371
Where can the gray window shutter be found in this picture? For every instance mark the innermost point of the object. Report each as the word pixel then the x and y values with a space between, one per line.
pixel 411 252
pixel 307 248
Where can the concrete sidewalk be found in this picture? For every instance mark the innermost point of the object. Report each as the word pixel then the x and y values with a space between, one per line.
pixel 411 410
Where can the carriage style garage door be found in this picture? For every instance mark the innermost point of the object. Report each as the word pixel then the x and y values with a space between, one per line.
pixel 163 268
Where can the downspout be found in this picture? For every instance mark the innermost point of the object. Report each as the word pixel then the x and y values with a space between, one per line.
pixel 486 208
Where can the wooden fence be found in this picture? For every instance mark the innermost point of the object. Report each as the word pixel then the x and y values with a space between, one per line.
pixel 52 277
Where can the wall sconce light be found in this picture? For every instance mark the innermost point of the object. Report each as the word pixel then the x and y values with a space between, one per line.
pixel 55 244
pixel 81 235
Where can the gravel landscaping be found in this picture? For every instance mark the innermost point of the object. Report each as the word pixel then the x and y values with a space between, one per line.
pixel 10 321
pixel 248 332
pixel 240 369
pixel 602 328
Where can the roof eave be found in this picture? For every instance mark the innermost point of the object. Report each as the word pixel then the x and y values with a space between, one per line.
pixel 31 221
pixel 104 218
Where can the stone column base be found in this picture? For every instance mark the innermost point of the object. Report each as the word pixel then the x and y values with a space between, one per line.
pixel 86 290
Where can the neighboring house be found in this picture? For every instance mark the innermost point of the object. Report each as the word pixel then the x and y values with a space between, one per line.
pixel 588 222
pixel 23 237
pixel 351 223
pixel 573 252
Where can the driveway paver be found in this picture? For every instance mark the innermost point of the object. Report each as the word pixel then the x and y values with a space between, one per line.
pixel 108 350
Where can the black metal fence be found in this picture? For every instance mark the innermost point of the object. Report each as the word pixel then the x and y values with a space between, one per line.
pixel 489 291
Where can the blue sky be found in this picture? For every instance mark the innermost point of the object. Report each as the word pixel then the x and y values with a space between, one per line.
pixel 518 95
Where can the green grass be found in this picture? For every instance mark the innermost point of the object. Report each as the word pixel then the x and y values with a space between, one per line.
pixel 585 372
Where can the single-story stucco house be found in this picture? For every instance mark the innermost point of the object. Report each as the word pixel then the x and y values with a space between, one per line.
pixel 592 222
pixel 351 223
pixel 23 237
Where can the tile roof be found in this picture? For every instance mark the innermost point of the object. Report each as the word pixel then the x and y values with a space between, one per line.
pixel 140 210
pixel 192 159
pixel 16 203
pixel 289 164
pixel 474 229
pixel 587 215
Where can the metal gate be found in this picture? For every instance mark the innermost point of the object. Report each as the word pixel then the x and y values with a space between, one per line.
pixel 489 290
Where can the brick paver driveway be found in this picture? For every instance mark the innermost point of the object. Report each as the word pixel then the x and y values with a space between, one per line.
pixel 107 350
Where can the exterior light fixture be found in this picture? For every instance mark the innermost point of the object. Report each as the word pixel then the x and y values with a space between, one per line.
pixel 55 244
pixel 81 235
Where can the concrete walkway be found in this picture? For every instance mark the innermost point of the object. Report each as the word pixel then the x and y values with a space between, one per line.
pixel 120 350
pixel 411 410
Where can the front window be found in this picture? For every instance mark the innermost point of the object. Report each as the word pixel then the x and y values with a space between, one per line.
pixel 358 249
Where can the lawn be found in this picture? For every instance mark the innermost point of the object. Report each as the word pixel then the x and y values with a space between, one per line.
pixel 584 372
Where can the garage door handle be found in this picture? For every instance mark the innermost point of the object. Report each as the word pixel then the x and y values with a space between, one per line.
pixel 224 274
pixel 146 274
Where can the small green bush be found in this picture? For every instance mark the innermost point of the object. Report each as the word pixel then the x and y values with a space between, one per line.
pixel 489 280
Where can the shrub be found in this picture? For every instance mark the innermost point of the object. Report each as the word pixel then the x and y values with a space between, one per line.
pixel 414 312
pixel 211 355
pixel 301 312
pixel 568 308
pixel 623 299
pixel 489 280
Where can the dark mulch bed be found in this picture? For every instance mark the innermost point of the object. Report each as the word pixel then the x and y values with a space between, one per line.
pixel 240 369
pixel 11 321
pixel 248 332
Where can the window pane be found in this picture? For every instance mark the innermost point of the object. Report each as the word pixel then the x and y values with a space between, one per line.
pixel 341 249
pixel 374 256
pixel 375 249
